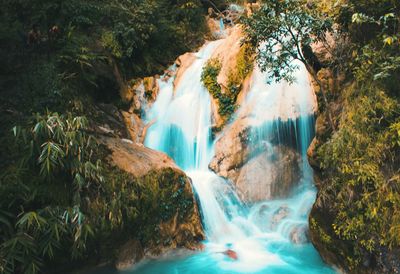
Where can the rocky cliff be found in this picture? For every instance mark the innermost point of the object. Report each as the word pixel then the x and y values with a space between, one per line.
pixel 170 217
pixel 352 223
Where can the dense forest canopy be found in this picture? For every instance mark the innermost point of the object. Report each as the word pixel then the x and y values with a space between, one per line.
pixel 56 196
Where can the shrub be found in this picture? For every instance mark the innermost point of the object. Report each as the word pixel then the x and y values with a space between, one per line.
pixel 42 197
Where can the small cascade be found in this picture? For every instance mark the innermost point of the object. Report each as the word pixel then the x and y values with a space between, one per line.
pixel 183 118
pixel 260 234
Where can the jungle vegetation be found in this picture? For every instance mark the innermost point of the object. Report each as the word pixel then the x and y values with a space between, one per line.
pixel 57 196
pixel 358 151
pixel 59 59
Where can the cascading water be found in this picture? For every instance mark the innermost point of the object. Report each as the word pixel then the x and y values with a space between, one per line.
pixel 182 129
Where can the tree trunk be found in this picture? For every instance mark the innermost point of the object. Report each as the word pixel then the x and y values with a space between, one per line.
pixel 328 109
pixel 123 87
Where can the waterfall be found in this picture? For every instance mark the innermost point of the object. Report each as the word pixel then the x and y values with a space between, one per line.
pixel 183 127
pixel 260 238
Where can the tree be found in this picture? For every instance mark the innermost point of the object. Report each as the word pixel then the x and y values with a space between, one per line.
pixel 281 31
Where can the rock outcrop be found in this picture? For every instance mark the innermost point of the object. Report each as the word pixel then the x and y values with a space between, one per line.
pixel 183 63
pixel 231 149
pixel 175 220
pixel 180 224
pixel 134 126
pixel 227 53
pixel 236 61
pixel 265 176
pixel 240 160
pixel 136 159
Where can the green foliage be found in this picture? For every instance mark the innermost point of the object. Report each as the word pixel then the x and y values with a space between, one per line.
pixel 279 30
pixel 245 61
pixel 56 154
pixel 227 99
pixel 357 18
pixel 62 204
pixel 78 62
pixel 110 43
pixel 143 38
pixel 361 160
pixel 326 239
pixel 150 34
pixel 209 77
pixel 363 192
pixel 226 102
pixel 56 197
pixel 244 66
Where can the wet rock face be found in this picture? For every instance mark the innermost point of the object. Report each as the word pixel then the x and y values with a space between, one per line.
pixel 259 171
pixel 228 53
pixel 140 93
pixel 299 235
pixel 183 63
pixel 231 150
pixel 271 174
pixel 134 126
pixel 176 217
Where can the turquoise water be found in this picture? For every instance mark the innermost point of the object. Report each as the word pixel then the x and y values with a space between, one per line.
pixel 301 259
pixel 268 236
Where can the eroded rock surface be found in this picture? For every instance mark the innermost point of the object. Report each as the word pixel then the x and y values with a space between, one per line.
pixel 183 63
pixel 259 171
pixel 136 159
pixel 266 176
pixel 231 150
pixel 227 53
pixel 175 220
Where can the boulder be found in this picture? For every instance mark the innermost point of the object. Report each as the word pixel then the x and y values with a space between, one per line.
pixel 269 175
pixel 259 170
pixel 136 159
pixel 134 126
pixel 107 120
pixel 299 235
pixel 129 254
pixel 231 149
pixel 280 214
pixel 180 224
pixel 228 53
